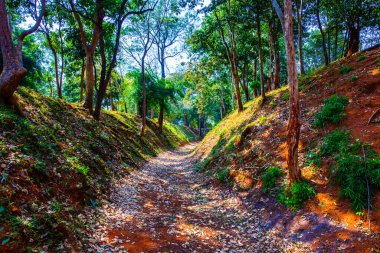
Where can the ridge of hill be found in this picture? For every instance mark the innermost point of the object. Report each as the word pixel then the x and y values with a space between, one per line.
pixel 241 148
pixel 57 159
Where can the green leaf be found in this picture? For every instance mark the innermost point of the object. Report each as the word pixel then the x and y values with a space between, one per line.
pixel 5 241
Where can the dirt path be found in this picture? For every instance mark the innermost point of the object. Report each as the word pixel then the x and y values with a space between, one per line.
pixel 166 207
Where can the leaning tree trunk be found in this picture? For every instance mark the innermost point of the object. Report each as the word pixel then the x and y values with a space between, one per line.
pixel 13 71
pixel 161 117
pixel 293 130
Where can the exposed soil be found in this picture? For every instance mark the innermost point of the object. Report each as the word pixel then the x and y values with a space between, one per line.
pixel 167 207
pixel 259 145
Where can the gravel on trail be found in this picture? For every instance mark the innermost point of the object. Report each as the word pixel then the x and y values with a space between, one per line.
pixel 167 207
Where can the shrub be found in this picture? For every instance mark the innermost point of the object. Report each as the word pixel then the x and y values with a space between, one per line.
pixel 337 141
pixel 350 170
pixel 222 175
pixel 361 57
pixel 295 197
pixel 345 70
pixel 262 120
pixel 353 173
pixel 332 111
pixel 270 177
pixel 354 78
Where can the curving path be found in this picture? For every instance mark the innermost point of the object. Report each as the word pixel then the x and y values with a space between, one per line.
pixel 166 207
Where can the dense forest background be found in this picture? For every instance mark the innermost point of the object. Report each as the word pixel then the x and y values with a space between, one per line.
pixel 180 50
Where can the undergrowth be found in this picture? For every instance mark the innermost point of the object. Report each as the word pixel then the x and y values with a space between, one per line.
pixel 57 159
pixel 270 177
pixel 332 111
pixel 345 70
pixel 295 196
pixel 356 168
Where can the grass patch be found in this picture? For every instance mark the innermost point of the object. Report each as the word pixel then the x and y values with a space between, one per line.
pixel 295 196
pixel 262 120
pixel 222 175
pixel 332 111
pixel 346 69
pixel 361 57
pixel 270 177
pixel 354 78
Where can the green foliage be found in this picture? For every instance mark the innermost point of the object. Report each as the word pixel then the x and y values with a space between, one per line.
pixel 262 120
pixel 222 175
pixel 350 170
pixel 345 70
pixel 353 173
pixel 287 95
pixel 336 141
pixel 296 195
pixel 354 78
pixel 361 57
pixel 332 111
pixel 270 177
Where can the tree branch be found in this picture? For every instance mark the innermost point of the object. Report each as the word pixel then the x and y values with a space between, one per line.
pixel 33 28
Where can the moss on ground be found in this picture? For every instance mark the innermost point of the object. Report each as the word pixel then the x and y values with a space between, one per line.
pixel 57 159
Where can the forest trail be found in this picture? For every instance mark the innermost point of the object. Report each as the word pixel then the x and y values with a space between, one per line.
pixel 167 207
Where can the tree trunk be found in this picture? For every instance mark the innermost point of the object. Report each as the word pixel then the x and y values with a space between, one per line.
pixel 300 35
pixel 232 59
pixel 152 113
pixel 354 39
pixel 161 117
pixel 293 130
pixel 277 69
pixel 260 57
pixel 143 116
pixel 82 82
pixel 185 119
pixel 335 56
pixel 111 99
pixel 90 83
pixel 268 84
pixel 326 57
pixel 13 71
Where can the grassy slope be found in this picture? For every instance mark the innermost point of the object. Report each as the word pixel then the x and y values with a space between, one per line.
pixel 248 142
pixel 58 159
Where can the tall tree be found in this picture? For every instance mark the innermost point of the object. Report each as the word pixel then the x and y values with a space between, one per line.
pixel 299 8
pixel 89 44
pixel 13 70
pixel 293 130
pixel 123 11
pixel 325 54
pixel 231 49
pixel 141 41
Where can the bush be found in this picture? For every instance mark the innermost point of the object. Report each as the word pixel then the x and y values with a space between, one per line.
pixel 332 111
pixel 222 175
pixel 353 174
pixel 345 70
pixel 270 177
pixel 354 78
pixel 350 170
pixel 361 57
pixel 336 142
pixel 295 197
